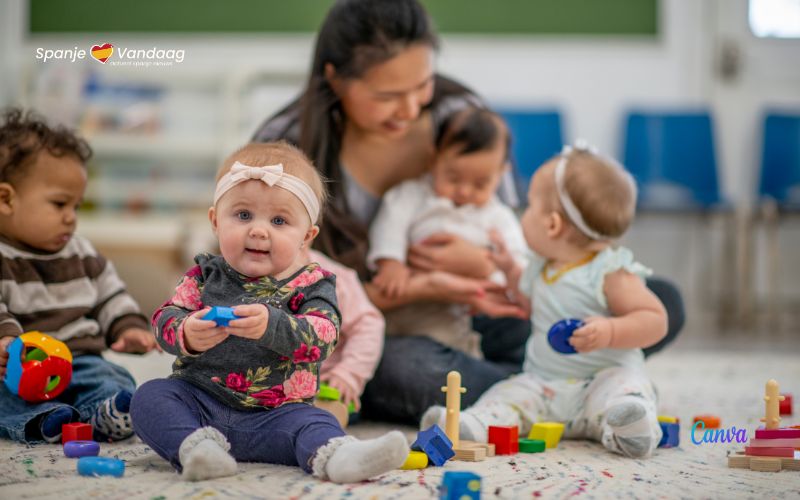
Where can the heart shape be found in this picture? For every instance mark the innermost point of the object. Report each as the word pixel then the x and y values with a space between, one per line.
pixel 102 52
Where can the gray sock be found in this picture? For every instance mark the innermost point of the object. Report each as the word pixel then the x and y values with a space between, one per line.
pixel 626 421
pixel 624 414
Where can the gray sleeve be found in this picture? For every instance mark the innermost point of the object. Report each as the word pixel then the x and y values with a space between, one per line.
pixel 284 126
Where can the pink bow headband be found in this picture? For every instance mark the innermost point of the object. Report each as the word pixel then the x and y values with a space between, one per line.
pixel 272 175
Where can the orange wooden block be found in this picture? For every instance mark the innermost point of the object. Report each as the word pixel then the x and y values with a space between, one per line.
pixel 710 421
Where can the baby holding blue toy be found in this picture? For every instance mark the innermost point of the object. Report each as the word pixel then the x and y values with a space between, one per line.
pixel 245 391
pixel 579 203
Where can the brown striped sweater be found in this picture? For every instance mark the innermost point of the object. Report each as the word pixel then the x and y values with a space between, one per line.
pixel 75 295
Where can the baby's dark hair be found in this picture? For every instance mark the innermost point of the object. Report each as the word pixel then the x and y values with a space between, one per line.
pixel 23 135
pixel 474 129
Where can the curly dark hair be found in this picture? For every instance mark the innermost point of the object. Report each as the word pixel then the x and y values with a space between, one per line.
pixel 24 134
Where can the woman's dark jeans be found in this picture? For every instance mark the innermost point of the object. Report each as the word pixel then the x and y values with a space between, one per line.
pixel 413 369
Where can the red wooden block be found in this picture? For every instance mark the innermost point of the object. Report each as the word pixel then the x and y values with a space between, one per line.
pixel 505 438
pixel 754 451
pixel 785 407
pixel 76 431
pixel 782 433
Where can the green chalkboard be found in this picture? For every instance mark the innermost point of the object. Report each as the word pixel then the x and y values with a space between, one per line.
pixel 570 17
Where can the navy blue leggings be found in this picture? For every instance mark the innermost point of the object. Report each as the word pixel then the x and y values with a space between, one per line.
pixel 165 411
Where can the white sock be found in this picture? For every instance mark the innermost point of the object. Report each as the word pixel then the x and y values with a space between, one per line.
pixel 433 415
pixel 348 460
pixel 471 428
pixel 204 455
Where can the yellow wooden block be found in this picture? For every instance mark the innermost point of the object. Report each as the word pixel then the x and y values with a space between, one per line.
pixel 666 419
pixel 549 432
pixel 415 460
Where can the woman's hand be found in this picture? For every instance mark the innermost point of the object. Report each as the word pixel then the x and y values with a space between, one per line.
pixel 392 277
pixel 484 297
pixel 252 323
pixel 348 393
pixel 495 302
pixel 450 253
pixel 200 335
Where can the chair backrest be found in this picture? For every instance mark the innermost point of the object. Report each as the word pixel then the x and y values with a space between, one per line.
pixel 535 137
pixel 672 157
pixel 780 159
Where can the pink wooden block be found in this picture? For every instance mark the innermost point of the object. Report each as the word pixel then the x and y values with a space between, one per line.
pixel 755 451
pixel 776 443
pixel 784 433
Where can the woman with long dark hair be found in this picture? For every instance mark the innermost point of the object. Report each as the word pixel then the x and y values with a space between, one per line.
pixel 369 118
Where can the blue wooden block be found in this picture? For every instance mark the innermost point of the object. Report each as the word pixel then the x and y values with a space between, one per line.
pixel 434 443
pixel 460 485
pixel 671 437
pixel 559 335
pixel 220 315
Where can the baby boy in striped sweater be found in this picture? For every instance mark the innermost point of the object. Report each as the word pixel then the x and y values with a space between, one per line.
pixel 55 282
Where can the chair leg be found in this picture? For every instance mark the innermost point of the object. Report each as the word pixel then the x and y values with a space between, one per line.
pixel 770 213
pixel 744 267
pixel 726 269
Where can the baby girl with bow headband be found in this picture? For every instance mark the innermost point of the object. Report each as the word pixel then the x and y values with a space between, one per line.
pixel 256 375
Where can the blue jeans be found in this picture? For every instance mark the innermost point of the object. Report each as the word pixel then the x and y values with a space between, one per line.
pixel 409 378
pixel 165 411
pixel 93 381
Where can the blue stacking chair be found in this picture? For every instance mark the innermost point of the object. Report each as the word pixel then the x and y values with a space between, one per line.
pixel 672 157
pixel 536 136
pixel 778 190
pixel 780 161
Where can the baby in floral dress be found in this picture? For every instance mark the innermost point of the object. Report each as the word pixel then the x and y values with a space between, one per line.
pixel 244 391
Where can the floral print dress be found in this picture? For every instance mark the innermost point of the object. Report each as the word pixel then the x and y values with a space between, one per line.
pixel 281 366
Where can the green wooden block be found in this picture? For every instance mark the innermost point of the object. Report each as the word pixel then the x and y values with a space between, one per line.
pixel 531 445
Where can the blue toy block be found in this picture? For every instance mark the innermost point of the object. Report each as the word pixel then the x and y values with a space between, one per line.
pixel 671 437
pixel 460 485
pixel 559 335
pixel 101 466
pixel 220 315
pixel 435 443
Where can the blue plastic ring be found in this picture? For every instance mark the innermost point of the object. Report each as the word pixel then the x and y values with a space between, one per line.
pixel 100 466
pixel 77 449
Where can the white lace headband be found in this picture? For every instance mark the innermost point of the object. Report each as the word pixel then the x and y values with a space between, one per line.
pixel 569 207
pixel 272 175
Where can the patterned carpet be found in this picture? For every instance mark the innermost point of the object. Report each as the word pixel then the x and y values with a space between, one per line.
pixel 726 384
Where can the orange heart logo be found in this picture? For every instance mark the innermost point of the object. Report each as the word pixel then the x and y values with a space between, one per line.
pixel 102 52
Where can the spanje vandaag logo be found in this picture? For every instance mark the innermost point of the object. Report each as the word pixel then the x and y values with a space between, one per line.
pixel 107 53
pixel 102 52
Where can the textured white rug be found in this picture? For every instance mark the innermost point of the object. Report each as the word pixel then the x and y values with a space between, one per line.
pixel 728 384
